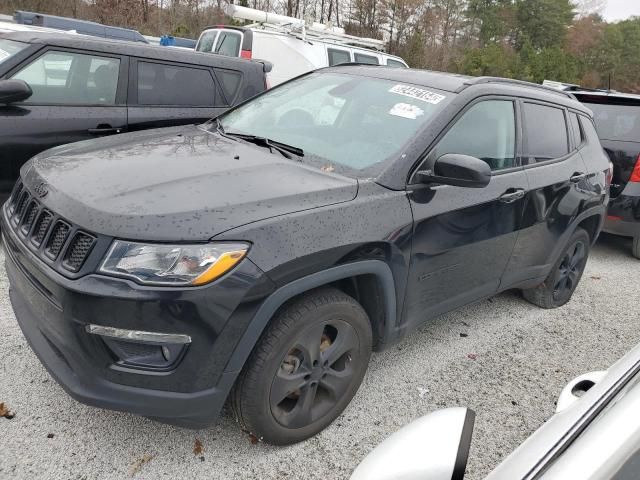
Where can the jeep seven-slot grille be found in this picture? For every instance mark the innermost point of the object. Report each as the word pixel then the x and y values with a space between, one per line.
pixel 57 237
pixel 78 250
pixel 29 217
pixel 53 238
pixel 42 227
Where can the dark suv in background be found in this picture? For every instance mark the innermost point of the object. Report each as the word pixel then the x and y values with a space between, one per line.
pixel 263 256
pixel 62 88
pixel 617 119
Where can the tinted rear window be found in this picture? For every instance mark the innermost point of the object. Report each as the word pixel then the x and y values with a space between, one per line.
pixel 617 122
pixel 577 131
pixel 546 132
pixel 230 82
pixel 160 84
pixel 588 129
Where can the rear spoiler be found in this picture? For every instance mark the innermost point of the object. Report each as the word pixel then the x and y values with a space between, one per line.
pixel 266 66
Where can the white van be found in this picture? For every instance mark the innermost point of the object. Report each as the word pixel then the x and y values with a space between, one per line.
pixel 292 53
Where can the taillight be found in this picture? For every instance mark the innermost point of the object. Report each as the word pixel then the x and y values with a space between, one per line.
pixel 267 83
pixel 610 174
pixel 635 175
pixel 245 54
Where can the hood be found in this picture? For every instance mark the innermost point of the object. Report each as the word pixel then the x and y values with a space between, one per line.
pixel 174 184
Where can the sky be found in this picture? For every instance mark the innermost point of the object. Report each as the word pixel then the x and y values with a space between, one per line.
pixel 621 9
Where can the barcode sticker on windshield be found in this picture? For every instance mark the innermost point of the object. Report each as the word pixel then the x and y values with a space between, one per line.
pixel 406 110
pixel 417 93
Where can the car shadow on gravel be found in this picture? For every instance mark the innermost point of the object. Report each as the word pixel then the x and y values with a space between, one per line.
pixel 615 243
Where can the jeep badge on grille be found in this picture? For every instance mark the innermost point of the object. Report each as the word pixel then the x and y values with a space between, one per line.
pixel 41 189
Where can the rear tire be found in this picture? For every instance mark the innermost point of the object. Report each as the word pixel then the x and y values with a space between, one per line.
pixel 565 275
pixel 305 369
pixel 636 247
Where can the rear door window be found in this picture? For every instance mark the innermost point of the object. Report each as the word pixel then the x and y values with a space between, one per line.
pixel 163 84
pixel 362 58
pixel 545 130
pixel 68 78
pixel 336 57
pixel 228 43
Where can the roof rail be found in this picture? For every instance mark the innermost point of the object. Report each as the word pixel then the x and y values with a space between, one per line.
pixel 512 81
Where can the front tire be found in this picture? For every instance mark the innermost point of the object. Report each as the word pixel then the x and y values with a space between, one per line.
pixel 305 369
pixel 565 275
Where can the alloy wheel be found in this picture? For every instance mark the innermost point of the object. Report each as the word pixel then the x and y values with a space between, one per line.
pixel 315 374
pixel 569 272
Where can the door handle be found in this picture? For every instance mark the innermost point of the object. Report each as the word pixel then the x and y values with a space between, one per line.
pixel 105 130
pixel 512 195
pixel 576 177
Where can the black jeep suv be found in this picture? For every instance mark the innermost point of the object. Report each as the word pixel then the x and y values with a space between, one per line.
pixel 264 255
pixel 58 88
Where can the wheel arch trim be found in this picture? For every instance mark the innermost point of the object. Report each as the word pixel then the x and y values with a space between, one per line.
pixel 598 211
pixel 270 306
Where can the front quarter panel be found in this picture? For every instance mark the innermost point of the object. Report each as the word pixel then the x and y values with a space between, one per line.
pixel 375 225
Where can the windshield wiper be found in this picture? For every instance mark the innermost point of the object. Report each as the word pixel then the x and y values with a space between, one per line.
pixel 283 148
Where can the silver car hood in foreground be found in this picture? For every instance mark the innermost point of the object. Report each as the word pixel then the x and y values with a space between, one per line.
pixel 542 453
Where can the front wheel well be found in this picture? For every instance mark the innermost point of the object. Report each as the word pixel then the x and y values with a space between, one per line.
pixel 368 292
pixel 370 282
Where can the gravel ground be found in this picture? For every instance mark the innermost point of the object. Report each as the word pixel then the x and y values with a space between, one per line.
pixel 524 356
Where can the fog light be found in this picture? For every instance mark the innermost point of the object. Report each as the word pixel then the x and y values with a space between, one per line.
pixel 142 350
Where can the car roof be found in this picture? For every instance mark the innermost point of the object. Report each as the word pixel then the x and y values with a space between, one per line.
pixel 456 83
pixel 136 49
pixel 449 82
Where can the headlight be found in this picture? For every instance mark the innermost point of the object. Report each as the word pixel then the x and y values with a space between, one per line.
pixel 179 265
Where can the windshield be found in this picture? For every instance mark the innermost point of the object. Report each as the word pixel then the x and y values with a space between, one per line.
pixel 616 122
pixel 341 122
pixel 9 48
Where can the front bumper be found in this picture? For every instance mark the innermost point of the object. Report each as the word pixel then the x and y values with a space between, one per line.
pixel 53 312
pixel 623 215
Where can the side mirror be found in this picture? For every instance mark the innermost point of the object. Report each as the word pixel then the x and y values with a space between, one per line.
pixel 576 388
pixel 458 170
pixel 14 91
pixel 433 447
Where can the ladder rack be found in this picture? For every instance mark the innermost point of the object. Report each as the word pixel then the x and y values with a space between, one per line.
pixel 308 34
